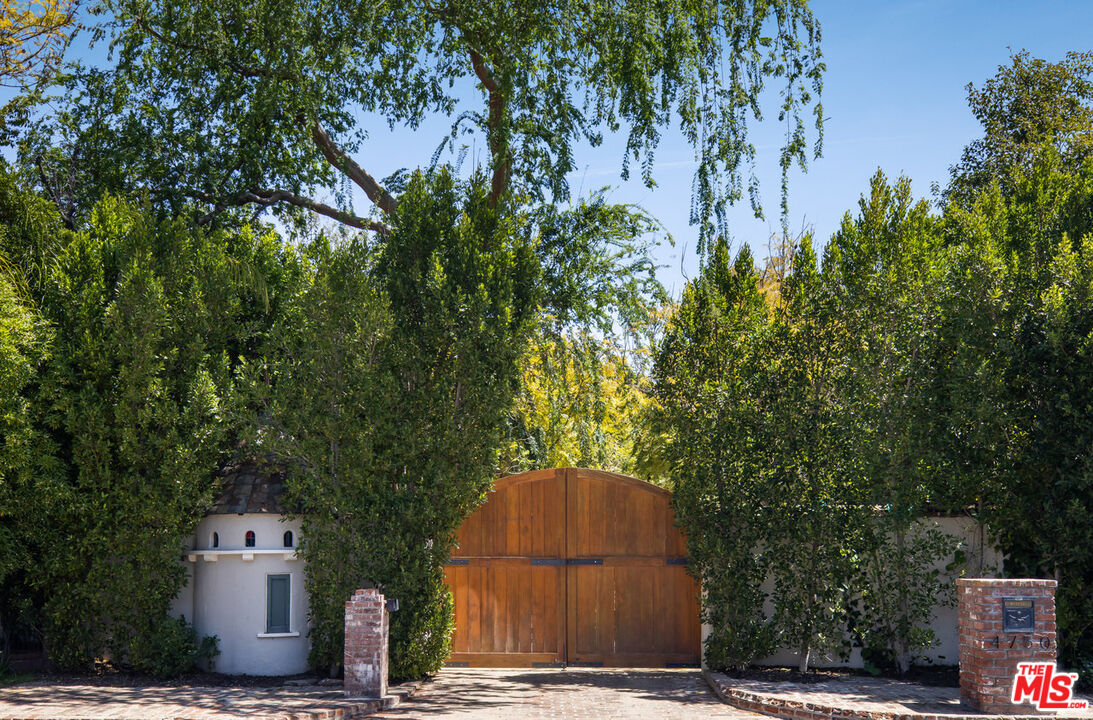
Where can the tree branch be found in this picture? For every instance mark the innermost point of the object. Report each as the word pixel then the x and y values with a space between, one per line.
pixel 268 198
pixel 62 199
pixel 499 146
pixel 345 164
pixel 249 71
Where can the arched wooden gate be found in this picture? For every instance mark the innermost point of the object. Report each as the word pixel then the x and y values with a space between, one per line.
pixel 573 567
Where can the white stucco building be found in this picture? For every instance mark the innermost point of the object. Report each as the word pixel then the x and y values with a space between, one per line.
pixel 246 584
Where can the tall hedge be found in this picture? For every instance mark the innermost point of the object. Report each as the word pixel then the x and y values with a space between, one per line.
pixel 146 320
pixel 798 477
pixel 932 361
pixel 385 393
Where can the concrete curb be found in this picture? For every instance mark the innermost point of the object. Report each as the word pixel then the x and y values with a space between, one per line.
pixel 366 706
pixel 798 710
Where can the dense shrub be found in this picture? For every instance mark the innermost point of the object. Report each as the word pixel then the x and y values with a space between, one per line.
pixel 171 648
pixel 146 320
pixel 387 388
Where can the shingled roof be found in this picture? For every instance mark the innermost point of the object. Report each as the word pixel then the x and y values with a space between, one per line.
pixel 249 487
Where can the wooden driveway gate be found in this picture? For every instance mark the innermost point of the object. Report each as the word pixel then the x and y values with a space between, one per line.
pixel 573 567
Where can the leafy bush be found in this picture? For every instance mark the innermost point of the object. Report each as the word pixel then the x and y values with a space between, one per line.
pixel 1083 665
pixel 147 319
pixel 899 586
pixel 171 648
pixel 385 389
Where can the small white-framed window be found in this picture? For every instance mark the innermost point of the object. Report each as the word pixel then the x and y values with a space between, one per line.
pixel 278 602
pixel 215 541
pixel 248 539
pixel 288 538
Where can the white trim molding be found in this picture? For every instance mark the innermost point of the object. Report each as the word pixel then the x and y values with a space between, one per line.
pixel 214 555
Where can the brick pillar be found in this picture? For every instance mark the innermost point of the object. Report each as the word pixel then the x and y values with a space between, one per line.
pixel 366 625
pixel 989 652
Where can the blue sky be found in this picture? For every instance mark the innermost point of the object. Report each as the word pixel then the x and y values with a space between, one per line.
pixel 894 98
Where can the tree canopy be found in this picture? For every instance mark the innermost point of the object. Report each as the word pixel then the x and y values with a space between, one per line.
pixel 1029 104
pixel 33 36
pixel 226 104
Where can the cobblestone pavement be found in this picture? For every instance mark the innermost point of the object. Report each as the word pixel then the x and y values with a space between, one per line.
pixel 516 694
pixel 33 701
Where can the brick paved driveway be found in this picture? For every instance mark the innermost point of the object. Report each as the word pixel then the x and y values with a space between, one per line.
pixel 46 701
pixel 515 694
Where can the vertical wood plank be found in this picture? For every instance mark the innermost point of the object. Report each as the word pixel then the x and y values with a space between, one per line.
pixel 634 610
pixel 568 610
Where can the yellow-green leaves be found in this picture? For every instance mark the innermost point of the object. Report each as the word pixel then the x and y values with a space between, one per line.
pixel 33 35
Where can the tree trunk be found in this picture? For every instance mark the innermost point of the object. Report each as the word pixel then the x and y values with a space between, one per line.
pixel 805 652
pixel 903 658
pixel 899 647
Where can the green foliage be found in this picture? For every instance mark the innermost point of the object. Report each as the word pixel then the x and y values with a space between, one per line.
pixel 804 438
pixel 1026 106
pixel 584 389
pixel 598 271
pixel 715 497
pixel 389 380
pixel 901 582
pixel 24 344
pixel 1045 521
pixel 145 320
pixel 886 268
pixel 171 649
pixel 581 404
pixel 133 410
pixel 219 102
pixel 1014 346
pixel 31 235
pixel 933 361
pixel 788 412
pixel 8 676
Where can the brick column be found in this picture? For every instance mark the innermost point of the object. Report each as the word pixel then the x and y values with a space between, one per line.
pixel 989 652
pixel 366 625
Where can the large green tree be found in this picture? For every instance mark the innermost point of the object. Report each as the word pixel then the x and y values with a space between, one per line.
pixel 1028 104
pixel 1011 381
pixel 884 268
pixel 812 476
pixel 228 104
pixel 385 391
pixel 23 346
pixel 147 320
pixel 704 418
pixel 1020 212
pixel 30 234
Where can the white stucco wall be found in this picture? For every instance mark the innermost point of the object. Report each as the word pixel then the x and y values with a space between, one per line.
pixel 183 604
pixel 983 560
pixel 227 594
